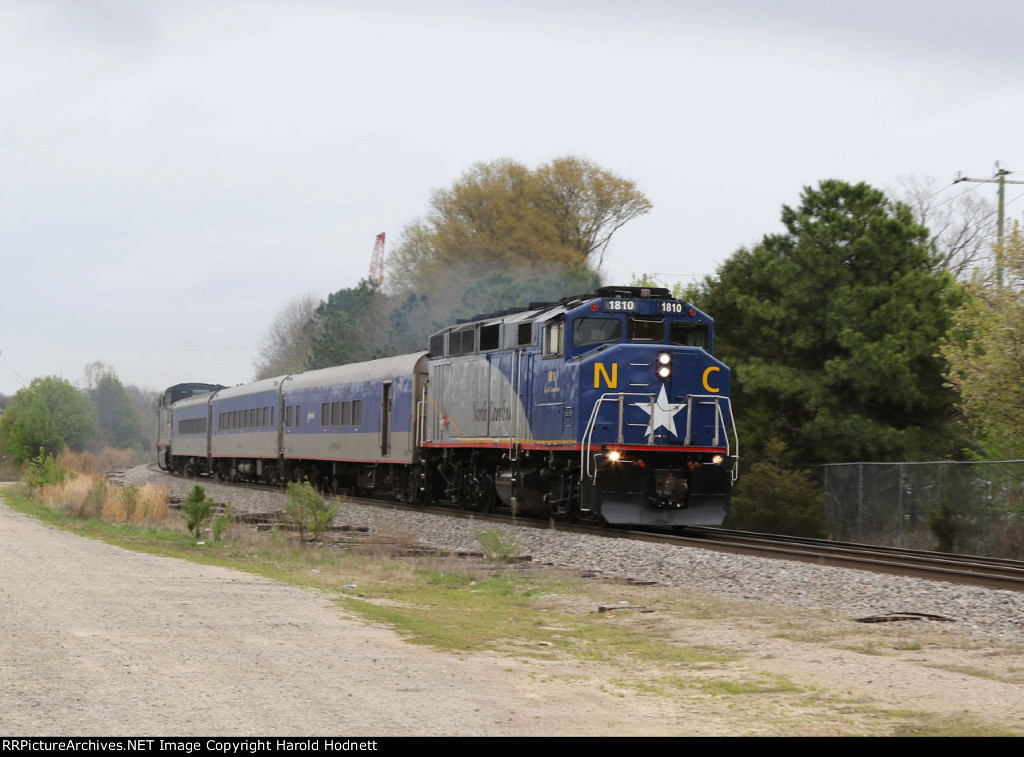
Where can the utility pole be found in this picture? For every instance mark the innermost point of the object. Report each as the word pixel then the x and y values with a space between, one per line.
pixel 1000 179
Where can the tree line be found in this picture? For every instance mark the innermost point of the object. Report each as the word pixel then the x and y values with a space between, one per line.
pixel 51 413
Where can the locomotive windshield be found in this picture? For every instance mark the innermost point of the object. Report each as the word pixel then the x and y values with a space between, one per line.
pixel 688 334
pixel 646 329
pixel 587 331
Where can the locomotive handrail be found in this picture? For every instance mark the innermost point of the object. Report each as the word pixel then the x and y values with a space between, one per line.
pixel 516 369
pixel 421 423
pixel 588 433
pixel 719 423
pixel 588 463
pixel 736 435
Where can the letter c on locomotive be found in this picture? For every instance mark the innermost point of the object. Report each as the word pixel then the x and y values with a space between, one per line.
pixel 704 379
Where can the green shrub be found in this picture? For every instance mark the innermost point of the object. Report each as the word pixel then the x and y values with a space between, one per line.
pixel 498 545
pixel 129 501
pixel 42 470
pixel 197 509
pixel 222 522
pixel 308 511
pixel 773 498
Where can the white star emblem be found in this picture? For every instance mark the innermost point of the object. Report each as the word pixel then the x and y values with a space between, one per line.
pixel 664 413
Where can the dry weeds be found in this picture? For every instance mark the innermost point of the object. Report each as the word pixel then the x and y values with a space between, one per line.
pixel 96 464
pixel 90 496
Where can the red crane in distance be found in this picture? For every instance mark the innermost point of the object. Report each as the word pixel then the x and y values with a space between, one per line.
pixel 377 260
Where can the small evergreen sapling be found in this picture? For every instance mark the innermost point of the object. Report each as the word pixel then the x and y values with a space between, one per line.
pixel 197 509
pixel 308 511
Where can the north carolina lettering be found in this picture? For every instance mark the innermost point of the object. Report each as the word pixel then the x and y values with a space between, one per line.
pixel 484 413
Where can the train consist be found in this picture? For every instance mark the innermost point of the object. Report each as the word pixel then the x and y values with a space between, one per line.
pixel 608 406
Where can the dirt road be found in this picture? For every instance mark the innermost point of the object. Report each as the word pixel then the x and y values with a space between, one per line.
pixel 97 640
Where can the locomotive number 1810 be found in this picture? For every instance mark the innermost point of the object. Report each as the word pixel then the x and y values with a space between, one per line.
pixel 619 306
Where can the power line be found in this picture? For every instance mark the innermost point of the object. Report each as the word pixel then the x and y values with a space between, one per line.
pixel 940 191
pixel 3 357
pixel 1000 179
pixel 1015 199
pixel 954 197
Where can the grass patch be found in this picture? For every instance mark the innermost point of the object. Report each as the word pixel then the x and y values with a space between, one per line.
pixel 1010 675
pixel 730 687
pixel 450 609
pixel 947 726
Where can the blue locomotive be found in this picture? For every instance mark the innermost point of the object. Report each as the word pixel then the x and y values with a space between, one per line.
pixel 608 406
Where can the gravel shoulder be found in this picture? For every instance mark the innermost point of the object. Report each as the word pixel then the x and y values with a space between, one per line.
pixel 97 640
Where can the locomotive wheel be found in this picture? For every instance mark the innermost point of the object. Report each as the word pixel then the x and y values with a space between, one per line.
pixel 484 503
pixel 570 516
pixel 485 494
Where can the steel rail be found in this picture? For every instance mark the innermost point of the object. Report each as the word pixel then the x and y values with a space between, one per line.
pixel 973 570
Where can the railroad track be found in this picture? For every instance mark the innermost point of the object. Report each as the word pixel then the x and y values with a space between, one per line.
pixel 974 570
pixel 992 573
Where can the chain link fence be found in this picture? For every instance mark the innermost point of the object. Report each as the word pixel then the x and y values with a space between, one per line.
pixel 969 508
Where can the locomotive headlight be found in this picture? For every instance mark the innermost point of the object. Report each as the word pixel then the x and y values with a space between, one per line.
pixel 664 369
pixel 614 456
pixel 717 460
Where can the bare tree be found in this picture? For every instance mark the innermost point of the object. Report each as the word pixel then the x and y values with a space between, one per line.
pixel 961 227
pixel 288 343
pixel 502 215
pixel 94 371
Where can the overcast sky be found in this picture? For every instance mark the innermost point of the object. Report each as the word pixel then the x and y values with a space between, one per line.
pixel 174 172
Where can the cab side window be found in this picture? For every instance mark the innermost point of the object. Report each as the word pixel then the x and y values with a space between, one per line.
pixel 553 339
